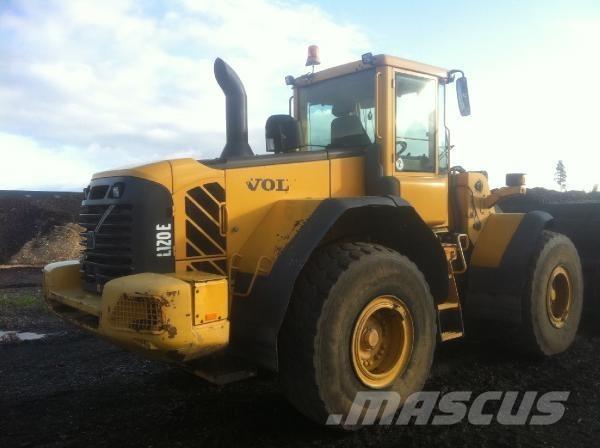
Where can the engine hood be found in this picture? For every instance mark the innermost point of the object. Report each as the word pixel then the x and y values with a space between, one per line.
pixel 172 174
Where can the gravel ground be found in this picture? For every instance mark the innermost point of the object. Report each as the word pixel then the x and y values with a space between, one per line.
pixel 19 277
pixel 72 389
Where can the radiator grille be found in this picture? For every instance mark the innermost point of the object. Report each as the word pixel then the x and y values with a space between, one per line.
pixel 107 243
pixel 139 313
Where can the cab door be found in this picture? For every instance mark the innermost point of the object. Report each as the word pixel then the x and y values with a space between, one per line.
pixel 419 132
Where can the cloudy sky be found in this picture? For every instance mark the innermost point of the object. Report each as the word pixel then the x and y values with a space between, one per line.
pixel 88 85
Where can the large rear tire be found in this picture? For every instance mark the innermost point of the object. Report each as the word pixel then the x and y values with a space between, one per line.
pixel 553 300
pixel 361 318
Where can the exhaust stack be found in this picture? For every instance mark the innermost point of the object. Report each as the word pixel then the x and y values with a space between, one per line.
pixel 236 111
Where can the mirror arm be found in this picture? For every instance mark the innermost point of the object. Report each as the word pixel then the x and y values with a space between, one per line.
pixel 452 75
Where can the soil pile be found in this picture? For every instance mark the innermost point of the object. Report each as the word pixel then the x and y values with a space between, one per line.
pixel 60 243
pixel 32 223
pixel 536 198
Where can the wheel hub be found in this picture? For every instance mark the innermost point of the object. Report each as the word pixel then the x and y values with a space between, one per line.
pixel 370 338
pixel 559 296
pixel 382 341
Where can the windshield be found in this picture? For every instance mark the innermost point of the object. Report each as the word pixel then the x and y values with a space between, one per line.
pixel 339 112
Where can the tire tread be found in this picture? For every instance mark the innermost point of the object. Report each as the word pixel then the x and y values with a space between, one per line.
pixel 531 338
pixel 307 307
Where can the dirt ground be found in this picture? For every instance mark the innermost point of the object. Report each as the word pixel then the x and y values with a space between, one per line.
pixel 72 389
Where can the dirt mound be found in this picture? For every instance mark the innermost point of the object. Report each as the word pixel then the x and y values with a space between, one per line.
pixel 538 197
pixel 60 243
pixel 30 218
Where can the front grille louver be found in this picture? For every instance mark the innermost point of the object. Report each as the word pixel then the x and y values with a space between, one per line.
pixel 107 252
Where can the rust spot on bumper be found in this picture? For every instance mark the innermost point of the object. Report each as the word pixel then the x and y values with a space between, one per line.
pixel 171 331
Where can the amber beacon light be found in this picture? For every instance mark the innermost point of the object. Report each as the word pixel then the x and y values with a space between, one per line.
pixel 313 56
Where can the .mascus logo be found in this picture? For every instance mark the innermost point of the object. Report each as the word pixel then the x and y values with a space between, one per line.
pixel 267 184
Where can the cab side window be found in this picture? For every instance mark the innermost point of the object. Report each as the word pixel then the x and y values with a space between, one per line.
pixel 415 123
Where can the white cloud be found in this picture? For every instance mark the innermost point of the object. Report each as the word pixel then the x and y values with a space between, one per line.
pixel 107 83
pixel 93 85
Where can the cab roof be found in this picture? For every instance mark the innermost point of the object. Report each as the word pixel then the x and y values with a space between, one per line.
pixel 378 60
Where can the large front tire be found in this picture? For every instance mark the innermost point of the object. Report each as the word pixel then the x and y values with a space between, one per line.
pixel 361 318
pixel 553 300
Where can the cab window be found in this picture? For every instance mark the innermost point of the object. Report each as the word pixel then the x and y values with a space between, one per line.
pixel 415 123
pixel 339 112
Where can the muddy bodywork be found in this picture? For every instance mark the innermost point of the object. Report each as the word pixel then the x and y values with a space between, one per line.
pixel 164 317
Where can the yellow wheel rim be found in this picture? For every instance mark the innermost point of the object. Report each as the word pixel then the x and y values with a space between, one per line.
pixel 559 296
pixel 382 341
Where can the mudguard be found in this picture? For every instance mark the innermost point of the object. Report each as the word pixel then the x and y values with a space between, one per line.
pixel 500 263
pixel 257 319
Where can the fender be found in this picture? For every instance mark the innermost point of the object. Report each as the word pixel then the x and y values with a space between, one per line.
pixel 500 263
pixel 256 319
pixel 279 226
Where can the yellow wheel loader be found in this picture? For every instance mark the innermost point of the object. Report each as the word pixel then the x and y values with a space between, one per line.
pixel 339 259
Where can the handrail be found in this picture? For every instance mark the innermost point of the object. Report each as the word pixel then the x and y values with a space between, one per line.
pixel 377 119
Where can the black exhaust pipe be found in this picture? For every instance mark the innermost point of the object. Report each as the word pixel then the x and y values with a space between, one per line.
pixel 236 111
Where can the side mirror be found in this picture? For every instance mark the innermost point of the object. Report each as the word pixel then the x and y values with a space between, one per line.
pixel 462 94
pixel 282 134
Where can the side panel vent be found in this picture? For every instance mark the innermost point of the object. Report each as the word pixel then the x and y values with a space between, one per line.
pixel 203 226
pixel 210 266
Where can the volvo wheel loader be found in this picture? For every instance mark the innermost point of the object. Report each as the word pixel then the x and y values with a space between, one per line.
pixel 339 259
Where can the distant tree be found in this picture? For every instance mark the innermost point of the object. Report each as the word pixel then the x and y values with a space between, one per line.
pixel 560 175
pixel 595 188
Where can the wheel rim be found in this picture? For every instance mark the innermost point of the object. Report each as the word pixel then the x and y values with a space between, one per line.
pixel 382 341
pixel 559 296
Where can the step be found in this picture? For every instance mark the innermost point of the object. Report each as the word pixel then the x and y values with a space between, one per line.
pixel 448 306
pixel 221 369
pixel 449 335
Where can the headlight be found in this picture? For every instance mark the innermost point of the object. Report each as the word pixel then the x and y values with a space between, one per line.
pixel 116 191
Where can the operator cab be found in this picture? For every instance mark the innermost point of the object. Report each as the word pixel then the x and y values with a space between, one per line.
pixel 392 108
